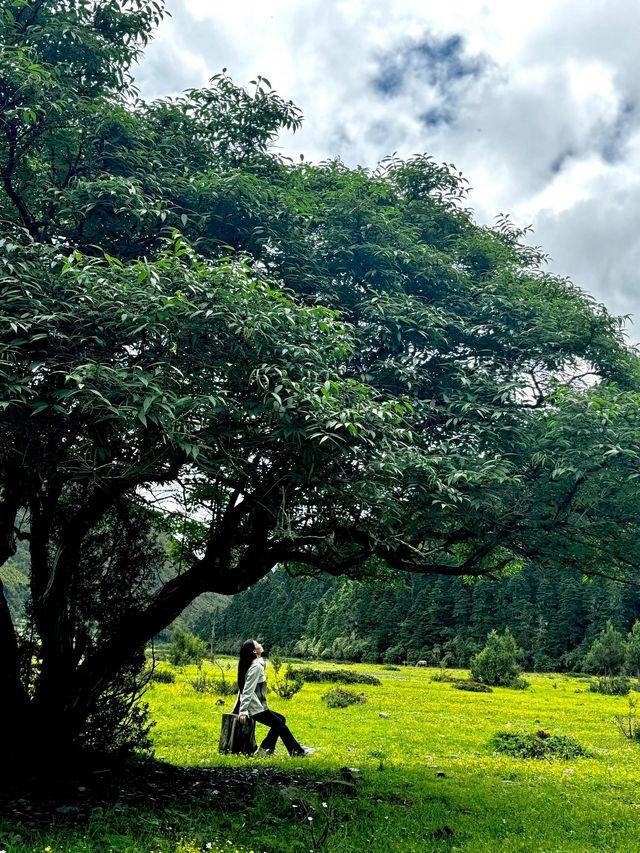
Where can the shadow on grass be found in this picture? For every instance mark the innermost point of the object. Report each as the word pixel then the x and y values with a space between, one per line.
pixel 72 798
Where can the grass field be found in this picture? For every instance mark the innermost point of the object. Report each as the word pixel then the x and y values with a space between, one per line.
pixel 427 775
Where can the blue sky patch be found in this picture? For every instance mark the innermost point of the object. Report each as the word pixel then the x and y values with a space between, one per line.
pixel 436 117
pixel 558 163
pixel 438 62
pixel 615 135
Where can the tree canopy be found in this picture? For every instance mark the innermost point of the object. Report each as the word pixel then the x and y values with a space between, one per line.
pixel 257 361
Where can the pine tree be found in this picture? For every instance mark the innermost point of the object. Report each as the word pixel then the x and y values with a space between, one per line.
pixel 607 653
pixel 632 658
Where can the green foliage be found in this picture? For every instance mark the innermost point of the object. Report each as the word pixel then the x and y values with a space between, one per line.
pixel 498 663
pixel 186 648
pixel 610 685
pixel 430 617
pixel 335 676
pixel 222 687
pixel 275 658
pixel 201 683
pixel 162 676
pixel 628 723
pixel 538 744
pixel 204 682
pixel 632 651
pixel 338 697
pixel 394 654
pixel 472 686
pixel 445 676
pixel 289 686
pixel 119 723
pixel 607 653
pixel 347 374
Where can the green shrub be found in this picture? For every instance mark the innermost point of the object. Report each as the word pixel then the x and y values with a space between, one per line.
pixel 538 744
pixel 610 685
pixel 119 724
pixel 472 686
pixel 340 698
pixel 628 723
pixel 163 676
pixel 222 687
pixel 445 676
pixel 202 683
pixel 369 654
pixel 186 648
pixel 288 687
pixel 497 663
pixel 335 676
pixel 607 653
pixel 390 666
pixel 395 654
pixel 632 650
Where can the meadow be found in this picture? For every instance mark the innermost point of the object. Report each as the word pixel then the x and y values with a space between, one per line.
pixel 426 776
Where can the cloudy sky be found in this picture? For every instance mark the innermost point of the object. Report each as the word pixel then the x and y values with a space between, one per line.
pixel 538 104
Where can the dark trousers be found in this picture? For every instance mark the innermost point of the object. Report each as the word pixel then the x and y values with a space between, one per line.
pixel 277 729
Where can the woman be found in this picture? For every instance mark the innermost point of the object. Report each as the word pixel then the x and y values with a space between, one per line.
pixel 252 702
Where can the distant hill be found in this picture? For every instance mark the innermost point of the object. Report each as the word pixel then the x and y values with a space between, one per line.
pixel 200 616
pixel 16 588
pixel 14 575
pixel 197 617
pixel 553 614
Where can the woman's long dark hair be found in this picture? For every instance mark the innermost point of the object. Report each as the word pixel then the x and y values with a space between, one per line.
pixel 247 657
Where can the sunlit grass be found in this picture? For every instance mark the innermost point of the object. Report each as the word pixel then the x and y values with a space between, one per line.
pixel 426 768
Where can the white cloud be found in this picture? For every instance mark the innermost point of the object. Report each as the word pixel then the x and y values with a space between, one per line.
pixel 545 125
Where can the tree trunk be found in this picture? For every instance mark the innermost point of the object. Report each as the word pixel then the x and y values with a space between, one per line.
pixel 13 695
pixel 236 737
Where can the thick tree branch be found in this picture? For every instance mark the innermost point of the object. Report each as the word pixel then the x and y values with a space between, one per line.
pixel 7 179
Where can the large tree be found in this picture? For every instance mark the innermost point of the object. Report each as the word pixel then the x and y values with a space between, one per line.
pixel 263 362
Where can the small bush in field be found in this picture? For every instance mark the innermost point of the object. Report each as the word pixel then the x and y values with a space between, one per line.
pixel 337 676
pixel 340 698
pixel 472 686
pixel 222 687
pixel 288 687
pixel 202 683
pixel 610 685
pixel 607 653
pixel 538 744
pixel 163 676
pixel 628 723
pixel 391 666
pixel 497 664
pixel 446 677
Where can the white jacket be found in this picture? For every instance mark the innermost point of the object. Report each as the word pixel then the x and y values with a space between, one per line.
pixel 252 699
